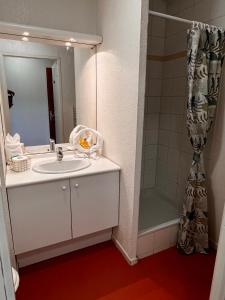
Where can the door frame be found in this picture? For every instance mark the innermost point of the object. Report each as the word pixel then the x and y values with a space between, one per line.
pixel 6 279
pixel 51 103
pixel 218 282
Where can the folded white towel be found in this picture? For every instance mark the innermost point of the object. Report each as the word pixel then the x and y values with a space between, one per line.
pixel 13 146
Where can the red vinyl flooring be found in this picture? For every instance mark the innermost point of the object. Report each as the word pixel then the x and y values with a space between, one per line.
pixel 100 272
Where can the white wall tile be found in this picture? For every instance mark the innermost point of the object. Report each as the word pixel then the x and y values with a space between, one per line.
pixel 160 5
pixel 207 10
pixel 164 137
pixel 162 153
pixel 165 121
pixel 162 240
pixel 162 173
pixel 172 28
pixel 171 191
pixel 151 137
pixel 165 105
pixel 175 68
pixel 157 241
pixel 150 152
pixel 173 164
pixel 155 87
pixel 156 45
pixel 175 140
pixel 174 87
pixel 178 105
pixel 173 235
pixel 150 166
pixel 175 6
pixel 145 245
pixel 152 121
pixel 149 178
pixel 158 27
pixel 153 104
pixel 178 123
pixel 175 43
pixel 155 69
pixel 151 4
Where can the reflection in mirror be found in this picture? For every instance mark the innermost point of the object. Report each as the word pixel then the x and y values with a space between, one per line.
pixel 46 90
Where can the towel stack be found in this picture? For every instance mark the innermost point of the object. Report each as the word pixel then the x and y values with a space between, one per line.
pixel 13 146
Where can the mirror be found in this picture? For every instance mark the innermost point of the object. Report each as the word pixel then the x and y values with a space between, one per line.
pixel 47 90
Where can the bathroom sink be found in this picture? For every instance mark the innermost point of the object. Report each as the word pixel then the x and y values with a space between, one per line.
pixel 67 165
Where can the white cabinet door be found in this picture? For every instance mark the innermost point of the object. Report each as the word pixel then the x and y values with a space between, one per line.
pixel 94 202
pixel 40 215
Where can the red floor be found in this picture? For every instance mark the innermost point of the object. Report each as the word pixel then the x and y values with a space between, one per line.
pixel 100 272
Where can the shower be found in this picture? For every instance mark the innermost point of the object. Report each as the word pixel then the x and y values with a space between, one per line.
pixel 167 152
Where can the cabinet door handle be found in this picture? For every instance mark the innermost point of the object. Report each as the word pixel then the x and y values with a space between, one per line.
pixel 76 185
pixel 64 187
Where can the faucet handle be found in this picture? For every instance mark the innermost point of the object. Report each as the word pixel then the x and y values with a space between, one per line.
pixel 52 145
pixel 59 152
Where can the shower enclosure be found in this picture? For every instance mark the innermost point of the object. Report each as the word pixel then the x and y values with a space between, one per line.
pixel 167 153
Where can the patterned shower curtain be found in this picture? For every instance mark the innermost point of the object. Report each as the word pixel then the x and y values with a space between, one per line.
pixel 205 58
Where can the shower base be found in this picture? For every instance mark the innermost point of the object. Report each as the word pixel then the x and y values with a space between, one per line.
pixel 158 224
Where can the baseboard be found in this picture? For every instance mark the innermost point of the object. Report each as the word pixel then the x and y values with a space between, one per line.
pixel 130 261
pixel 39 255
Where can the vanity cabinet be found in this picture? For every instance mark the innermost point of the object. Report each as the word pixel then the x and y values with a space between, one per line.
pixel 48 213
pixel 40 215
pixel 94 203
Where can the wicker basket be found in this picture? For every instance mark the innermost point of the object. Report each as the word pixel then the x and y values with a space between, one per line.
pixel 20 163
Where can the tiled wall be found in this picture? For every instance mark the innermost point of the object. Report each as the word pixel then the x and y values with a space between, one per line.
pixel 174 151
pixel 167 143
pixel 156 41
pixel 166 151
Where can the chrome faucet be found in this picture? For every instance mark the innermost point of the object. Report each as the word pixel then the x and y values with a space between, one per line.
pixel 52 145
pixel 59 153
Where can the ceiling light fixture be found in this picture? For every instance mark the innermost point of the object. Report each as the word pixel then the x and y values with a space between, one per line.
pixel 26 33
pixel 72 40
pixel 68 44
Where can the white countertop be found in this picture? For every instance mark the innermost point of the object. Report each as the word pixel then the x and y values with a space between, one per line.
pixel 14 179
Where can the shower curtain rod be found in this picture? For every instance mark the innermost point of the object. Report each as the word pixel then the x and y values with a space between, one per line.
pixel 158 14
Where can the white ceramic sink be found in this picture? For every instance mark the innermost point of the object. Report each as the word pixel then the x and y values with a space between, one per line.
pixel 53 166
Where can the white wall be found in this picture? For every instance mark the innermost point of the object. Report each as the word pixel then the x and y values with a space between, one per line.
pixel 120 94
pixel 26 77
pixel 85 83
pixel 66 58
pixel 3 195
pixel 73 15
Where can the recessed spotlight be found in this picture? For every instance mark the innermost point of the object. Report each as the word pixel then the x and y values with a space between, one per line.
pixel 25 39
pixel 26 33
pixel 68 44
pixel 72 40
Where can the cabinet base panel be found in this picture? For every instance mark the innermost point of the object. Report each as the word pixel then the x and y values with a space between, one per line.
pixel 36 256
